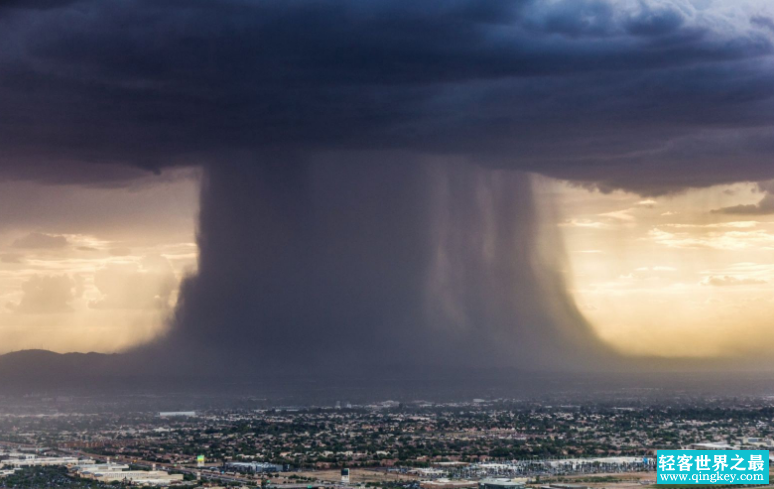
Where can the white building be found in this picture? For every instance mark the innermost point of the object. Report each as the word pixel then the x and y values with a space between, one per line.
pixel 149 477
pixel 177 414
pixel 116 472
pixel 30 460
pixel 254 467
pixel 711 446
pixel 501 484
pixel 92 468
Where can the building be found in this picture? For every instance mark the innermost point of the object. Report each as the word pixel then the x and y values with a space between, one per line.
pixel 448 484
pixel 710 446
pixel 254 467
pixel 88 469
pixel 177 414
pixel 139 477
pixel 501 484
pixel 429 473
pixel 756 442
pixel 31 460
pixel 120 472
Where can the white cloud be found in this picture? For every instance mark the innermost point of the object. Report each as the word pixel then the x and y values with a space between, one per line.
pixel 584 223
pixel 148 284
pixel 623 215
pixel 715 225
pixel 729 240
pixel 728 280
pixel 48 294
pixel 656 269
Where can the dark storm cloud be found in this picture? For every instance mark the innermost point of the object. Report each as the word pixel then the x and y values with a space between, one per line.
pixel 637 94
pixel 356 209
pixel 33 4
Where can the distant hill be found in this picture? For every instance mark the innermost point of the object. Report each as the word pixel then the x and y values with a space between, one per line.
pixel 30 357
pixel 42 368
pixel 49 362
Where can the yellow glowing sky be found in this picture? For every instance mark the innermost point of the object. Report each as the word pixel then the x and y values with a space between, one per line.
pixel 667 275
pixel 98 269
pixel 93 269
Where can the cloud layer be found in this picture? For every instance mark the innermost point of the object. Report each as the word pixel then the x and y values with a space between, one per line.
pixel 647 95
pixel 37 241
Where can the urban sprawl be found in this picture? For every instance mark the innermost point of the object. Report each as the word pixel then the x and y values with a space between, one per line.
pixel 484 444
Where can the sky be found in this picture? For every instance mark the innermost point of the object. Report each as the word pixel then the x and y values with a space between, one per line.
pixel 361 185
pixel 685 275
pixel 93 268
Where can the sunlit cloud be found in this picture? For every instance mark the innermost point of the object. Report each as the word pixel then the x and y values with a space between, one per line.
pixel 46 294
pixel 585 223
pixel 624 215
pixel 715 225
pixel 98 284
pixel 731 240
pixel 705 282
pixel 728 280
